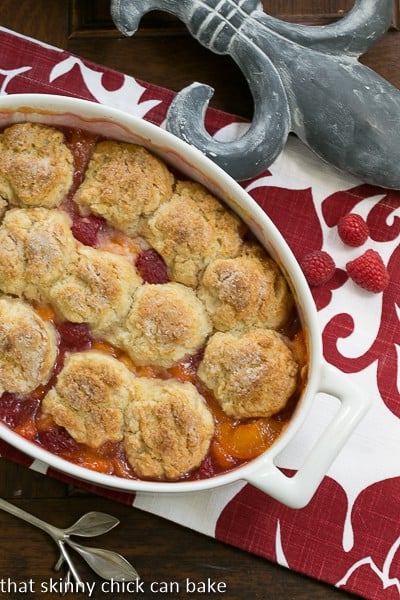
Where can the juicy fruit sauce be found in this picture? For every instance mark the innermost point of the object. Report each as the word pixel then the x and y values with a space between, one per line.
pixel 234 442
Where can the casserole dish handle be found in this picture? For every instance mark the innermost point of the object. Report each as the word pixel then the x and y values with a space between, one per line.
pixel 298 490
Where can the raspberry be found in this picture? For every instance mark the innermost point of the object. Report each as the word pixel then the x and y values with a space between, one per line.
pixel 152 267
pixel 353 230
pixel 318 267
pixel 15 410
pixel 86 229
pixel 57 441
pixel 369 272
pixel 75 335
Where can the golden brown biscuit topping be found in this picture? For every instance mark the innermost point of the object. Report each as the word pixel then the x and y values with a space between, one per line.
pixel 192 229
pixel 245 292
pixel 96 289
pixel 36 167
pixel 89 398
pixel 252 375
pixel 166 322
pixel 125 184
pixel 38 247
pixel 28 347
pixel 168 428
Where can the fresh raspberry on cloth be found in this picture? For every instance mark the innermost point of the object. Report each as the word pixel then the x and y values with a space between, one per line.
pixel 353 230
pixel 369 271
pixel 318 267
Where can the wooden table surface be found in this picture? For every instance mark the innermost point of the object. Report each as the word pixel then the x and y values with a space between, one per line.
pixel 160 550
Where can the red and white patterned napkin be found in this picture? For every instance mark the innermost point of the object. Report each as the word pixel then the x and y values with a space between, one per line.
pixel 349 534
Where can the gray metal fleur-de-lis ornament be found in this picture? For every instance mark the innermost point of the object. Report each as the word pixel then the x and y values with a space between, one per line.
pixel 303 79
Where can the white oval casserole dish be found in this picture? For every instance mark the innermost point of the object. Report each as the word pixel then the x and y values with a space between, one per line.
pixel 262 472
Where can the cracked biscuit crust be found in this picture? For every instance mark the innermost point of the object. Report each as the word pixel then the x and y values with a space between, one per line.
pixel 252 375
pixel 36 166
pixel 165 323
pixel 37 246
pixel 168 429
pixel 3 207
pixel 192 229
pixel 97 288
pixel 90 397
pixel 28 347
pixel 125 184
pixel 245 292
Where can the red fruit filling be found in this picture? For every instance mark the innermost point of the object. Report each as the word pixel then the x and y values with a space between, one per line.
pixel 16 410
pixel 152 267
pixel 87 229
pixel 206 469
pixel 57 440
pixel 75 336
pixel 81 143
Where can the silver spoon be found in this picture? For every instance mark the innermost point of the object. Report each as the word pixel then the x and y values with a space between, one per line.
pixel 105 563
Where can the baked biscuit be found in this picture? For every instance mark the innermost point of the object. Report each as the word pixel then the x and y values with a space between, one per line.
pixel 165 323
pixel 36 166
pixel 192 229
pixel 252 375
pixel 97 289
pixel 245 292
pixel 124 183
pixel 89 398
pixel 37 245
pixel 12 256
pixel 168 428
pixel 28 347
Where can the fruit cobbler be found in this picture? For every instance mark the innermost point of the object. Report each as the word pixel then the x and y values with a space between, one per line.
pixel 144 332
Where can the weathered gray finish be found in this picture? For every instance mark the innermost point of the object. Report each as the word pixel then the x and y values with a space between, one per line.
pixel 303 79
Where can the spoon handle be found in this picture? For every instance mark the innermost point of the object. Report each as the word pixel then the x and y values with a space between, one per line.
pixel 54 532
pixel 71 566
